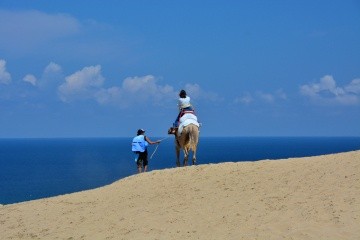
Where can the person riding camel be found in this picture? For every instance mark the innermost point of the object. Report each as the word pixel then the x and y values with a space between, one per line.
pixel 184 106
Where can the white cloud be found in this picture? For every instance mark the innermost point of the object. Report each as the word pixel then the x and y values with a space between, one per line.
pixel 49 79
pixel 51 76
pixel 248 98
pixel 136 84
pixel 267 97
pixel 353 87
pixel 136 90
pixel 196 92
pixel 29 78
pixel 52 68
pixel 193 90
pixel 110 95
pixel 326 91
pixel 5 77
pixel 88 84
pixel 146 90
pixel 81 85
pixel 146 85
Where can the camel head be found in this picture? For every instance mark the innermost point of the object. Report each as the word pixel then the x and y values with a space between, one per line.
pixel 172 130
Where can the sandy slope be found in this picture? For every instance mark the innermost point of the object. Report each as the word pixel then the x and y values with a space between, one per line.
pixel 305 198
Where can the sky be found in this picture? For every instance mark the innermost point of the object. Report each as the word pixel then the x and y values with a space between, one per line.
pixel 107 68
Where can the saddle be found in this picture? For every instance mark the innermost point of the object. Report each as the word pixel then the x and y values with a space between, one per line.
pixel 183 112
pixel 186 119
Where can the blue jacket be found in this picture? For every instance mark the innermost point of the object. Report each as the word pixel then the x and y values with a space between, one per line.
pixel 139 144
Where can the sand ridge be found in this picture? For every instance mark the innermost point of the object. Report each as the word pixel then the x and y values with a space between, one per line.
pixel 298 198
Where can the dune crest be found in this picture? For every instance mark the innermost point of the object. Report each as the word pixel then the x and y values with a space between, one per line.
pixel 298 198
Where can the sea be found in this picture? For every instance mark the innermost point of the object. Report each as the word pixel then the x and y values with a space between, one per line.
pixel 39 168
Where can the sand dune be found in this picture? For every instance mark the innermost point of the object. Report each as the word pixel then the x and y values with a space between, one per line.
pixel 304 198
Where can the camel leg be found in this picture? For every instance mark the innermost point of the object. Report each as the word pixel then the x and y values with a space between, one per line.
pixel 177 156
pixel 186 156
pixel 194 157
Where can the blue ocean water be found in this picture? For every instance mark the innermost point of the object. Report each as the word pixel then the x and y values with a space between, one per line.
pixel 37 168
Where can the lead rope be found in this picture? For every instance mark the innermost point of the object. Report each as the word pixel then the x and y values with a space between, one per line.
pixel 157 147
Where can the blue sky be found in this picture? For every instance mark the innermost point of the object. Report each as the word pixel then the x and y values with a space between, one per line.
pixel 107 68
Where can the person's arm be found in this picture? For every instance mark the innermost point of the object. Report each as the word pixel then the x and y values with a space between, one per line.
pixel 151 142
pixel 179 103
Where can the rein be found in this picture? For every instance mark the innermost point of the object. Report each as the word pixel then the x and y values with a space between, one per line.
pixel 157 147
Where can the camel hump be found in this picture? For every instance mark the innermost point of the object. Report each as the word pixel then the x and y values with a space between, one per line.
pixel 186 120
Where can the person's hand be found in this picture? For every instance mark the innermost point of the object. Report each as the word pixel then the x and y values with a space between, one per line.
pixel 158 141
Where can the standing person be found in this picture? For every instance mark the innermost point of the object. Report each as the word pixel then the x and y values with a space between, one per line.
pixel 184 105
pixel 139 146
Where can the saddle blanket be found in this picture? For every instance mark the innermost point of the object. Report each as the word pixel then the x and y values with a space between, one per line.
pixel 185 120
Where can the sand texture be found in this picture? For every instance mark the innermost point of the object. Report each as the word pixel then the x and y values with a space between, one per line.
pixel 302 198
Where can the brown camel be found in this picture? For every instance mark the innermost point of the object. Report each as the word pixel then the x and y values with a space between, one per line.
pixel 187 141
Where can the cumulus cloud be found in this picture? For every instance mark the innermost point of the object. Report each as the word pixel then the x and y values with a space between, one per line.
pixel 29 78
pixel 353 87
pixel 52 68
pixel 82 84
pixel 146 84
pixel 196 92
pixel 148 90
pixel 136 90
pixel 50 78
pixel 260 96
pixel 89 84
pixel 5 77
pixel 245 98
pixel 112 95
pixel 267 97
pixel 326 91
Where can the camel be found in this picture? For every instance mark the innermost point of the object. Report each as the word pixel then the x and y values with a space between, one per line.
pixel 187 141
